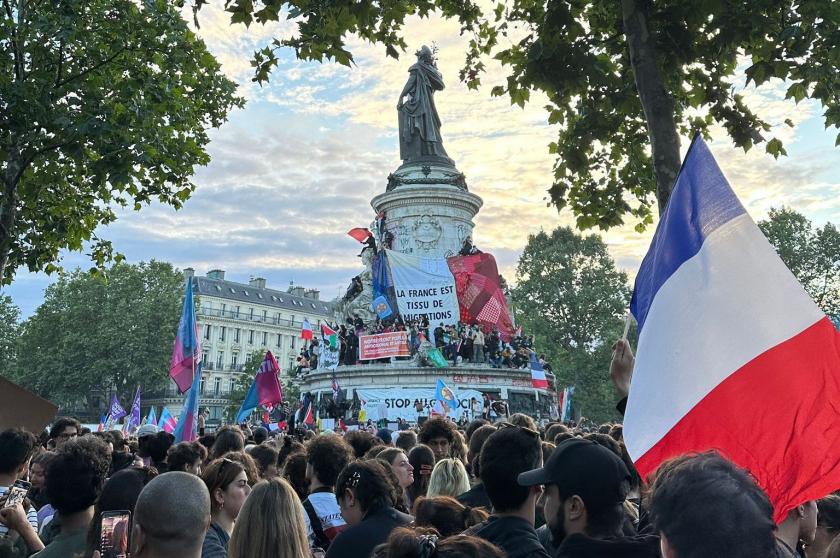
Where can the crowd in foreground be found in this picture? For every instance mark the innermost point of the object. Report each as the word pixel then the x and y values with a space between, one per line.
pixel 437 491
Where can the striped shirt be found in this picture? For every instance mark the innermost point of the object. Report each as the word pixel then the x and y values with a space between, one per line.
pixel 31 515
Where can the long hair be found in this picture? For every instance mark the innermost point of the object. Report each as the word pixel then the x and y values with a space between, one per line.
pixel 449 478
pixel 446 515
pixel 422 458
pixel 270 524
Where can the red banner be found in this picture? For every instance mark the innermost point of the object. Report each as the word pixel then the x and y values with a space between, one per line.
pixel 480 297
pixel 384 345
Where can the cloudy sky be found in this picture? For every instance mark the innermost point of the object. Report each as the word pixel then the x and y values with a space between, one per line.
pixel 296 168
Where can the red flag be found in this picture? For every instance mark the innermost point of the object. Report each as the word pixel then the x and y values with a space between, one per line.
pixel 480 296
pixel 360 234
pixel 269 391
pixel 309 419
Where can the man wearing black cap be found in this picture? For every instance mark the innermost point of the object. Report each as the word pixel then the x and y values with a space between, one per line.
pixel 506 454
pixel 586 485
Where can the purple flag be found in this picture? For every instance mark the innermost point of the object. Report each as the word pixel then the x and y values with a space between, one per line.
pixel 134 416
pixel 116 412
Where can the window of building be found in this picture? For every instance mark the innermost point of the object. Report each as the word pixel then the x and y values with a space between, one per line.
pixel 293 341
pixel 220 360
pixel 265 339
pixel 236 335
pixel 234 360
pixel 251 337
pixel 265 315
pixel 222 333
pixel 201 388
pixel 238 309
pixel 246 293
pixel 279 340
pixel 231 384
pixel 224 306
pixel 217 383
pixel 292 320
pixel 250 313
pixel 207 331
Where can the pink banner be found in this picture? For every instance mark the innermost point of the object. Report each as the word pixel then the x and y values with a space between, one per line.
pixel 384 345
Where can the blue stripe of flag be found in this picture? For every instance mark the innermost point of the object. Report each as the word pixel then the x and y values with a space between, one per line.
pixel 700 203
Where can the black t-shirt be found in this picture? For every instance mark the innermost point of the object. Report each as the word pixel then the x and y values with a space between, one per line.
pixel 476 497
pixel 514 535
pixel 581 546
pixel 359 541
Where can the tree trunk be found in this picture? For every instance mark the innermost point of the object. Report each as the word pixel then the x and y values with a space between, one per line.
pixel 8 207
pixel 656 102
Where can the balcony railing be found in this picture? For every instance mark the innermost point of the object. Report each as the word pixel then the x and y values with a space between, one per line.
pixel 232 314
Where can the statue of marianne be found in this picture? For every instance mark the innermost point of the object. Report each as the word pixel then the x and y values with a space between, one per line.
pixel 418 118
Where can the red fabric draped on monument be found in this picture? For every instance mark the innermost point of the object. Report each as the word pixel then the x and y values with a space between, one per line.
pixel 480 296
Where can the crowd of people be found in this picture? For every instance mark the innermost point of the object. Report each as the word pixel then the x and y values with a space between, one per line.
pixel 437 490
pixel 458 343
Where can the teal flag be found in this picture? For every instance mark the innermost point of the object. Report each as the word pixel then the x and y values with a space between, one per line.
pixel 437 358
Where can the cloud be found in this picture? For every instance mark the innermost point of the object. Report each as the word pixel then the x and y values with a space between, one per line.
pixel 296 169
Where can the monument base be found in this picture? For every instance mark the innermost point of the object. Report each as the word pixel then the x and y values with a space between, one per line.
pixel 398 385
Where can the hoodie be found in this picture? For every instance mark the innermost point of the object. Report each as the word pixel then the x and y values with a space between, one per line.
pixel 581 546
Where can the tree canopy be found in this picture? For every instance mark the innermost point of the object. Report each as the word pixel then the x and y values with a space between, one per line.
pixel 104 104
pixel 571 296
pixel 625 79
pixel 93 334
pixel 9 318
pixel 811 253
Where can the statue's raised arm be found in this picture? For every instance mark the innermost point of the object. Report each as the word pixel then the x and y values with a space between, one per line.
pixel 419 122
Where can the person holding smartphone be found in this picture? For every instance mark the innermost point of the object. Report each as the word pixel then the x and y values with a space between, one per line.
pixel 16 448
pixel 16 522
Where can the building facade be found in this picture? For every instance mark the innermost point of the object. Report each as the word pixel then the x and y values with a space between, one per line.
pixel 236 320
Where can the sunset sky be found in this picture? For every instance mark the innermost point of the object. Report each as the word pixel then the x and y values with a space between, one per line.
pixel 295 169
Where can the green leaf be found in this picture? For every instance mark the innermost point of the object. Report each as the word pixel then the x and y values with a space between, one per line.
pixel 774 148
pixel 798 91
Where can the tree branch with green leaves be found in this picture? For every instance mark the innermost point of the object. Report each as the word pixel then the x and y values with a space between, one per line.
pixel 624 80
pixel 105 104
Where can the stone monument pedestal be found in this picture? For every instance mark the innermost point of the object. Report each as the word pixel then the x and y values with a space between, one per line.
pixel 428 210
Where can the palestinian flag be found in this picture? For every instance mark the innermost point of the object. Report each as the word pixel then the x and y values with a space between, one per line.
pixel 329 335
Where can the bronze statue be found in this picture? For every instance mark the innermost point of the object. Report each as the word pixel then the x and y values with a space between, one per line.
pixel 418 118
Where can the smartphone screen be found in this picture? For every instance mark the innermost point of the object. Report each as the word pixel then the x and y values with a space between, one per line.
pixel 113 542
pixel 17 494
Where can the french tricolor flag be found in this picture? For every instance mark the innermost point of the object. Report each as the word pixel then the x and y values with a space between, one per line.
pixel 733 355
pixel 538 379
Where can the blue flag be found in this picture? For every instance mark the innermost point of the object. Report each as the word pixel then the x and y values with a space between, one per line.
pixel 151 418
pixel 446 395
pixel 187 428
pixel 250 403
